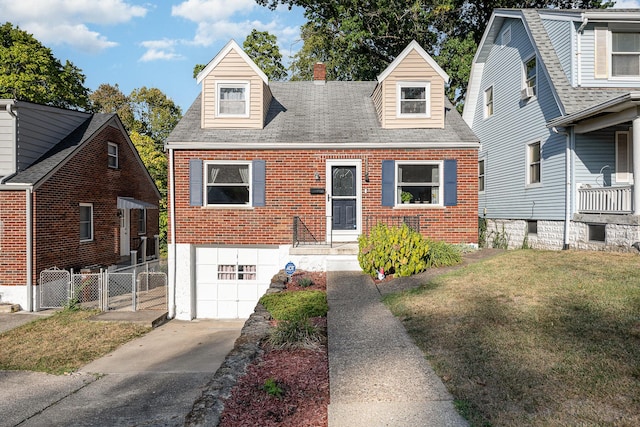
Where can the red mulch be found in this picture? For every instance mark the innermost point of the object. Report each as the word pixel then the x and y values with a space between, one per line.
pixel 302 374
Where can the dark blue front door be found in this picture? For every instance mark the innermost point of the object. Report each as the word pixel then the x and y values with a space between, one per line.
pixel 343 197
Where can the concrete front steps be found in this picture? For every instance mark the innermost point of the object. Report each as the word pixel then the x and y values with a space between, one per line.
pixel 338 256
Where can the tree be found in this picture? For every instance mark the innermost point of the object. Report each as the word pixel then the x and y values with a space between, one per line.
pixel 154 114
pixel 30 72
pixel 262 47
pixel 360 39
pixel 110 99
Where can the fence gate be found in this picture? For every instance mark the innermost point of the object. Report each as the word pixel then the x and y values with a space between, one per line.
pixel 55 288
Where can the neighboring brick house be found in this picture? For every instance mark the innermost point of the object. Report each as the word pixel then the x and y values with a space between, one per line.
pixel 258 167
pixel 73 193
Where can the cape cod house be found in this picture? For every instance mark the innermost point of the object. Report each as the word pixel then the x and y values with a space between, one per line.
pixel 73 193
pixel 553 96
pixel 260 170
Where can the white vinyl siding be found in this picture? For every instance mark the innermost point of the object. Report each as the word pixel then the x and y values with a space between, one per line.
pixel 505 38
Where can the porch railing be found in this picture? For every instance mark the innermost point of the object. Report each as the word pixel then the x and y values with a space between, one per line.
pixel 610 200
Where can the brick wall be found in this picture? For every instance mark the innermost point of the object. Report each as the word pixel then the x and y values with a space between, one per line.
pixel 13 237
pixel 289 177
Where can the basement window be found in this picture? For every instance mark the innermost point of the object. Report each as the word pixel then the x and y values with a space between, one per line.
pixel 597 232
pixel 532 227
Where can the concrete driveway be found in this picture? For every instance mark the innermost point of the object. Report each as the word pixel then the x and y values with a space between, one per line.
pixel 150 381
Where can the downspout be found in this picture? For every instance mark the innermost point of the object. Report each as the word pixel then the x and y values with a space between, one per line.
pixel 585 20
pixel 29 260
pixel 172 244
pixel 567 172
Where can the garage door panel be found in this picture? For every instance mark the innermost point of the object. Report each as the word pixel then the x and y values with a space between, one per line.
pixel 227 256
pixel 208 291
pixel 245 308
pixel 207 309
pixel 206 256
pixel 207 272
pixel 248 256
pixel 227 310
pixel 227 291
pixel 248 292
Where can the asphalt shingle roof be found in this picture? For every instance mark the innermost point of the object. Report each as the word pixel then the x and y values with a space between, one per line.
pixel 305 112
pixel 573 99
pixel 61 151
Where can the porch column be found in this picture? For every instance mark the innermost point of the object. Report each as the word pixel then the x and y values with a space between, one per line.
pixel 636 165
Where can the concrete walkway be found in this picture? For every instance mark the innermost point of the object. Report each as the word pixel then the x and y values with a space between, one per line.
pixel 377 375
pixel 152 380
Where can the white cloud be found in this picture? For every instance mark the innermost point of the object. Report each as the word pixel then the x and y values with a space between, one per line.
pixel 160 50
pixel 65 21
pixel 212 10
pixel 627 4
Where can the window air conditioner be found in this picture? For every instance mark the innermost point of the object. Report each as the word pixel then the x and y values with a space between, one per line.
pixel 527 92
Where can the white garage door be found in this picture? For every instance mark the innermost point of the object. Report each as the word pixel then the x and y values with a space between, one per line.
pixel 230 281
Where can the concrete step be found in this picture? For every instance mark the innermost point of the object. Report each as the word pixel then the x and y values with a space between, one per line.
pixel 9 308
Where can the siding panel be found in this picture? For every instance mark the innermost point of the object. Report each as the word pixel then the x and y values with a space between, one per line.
pixel 560 33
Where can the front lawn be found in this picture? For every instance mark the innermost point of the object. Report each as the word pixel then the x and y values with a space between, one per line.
pixel 534 337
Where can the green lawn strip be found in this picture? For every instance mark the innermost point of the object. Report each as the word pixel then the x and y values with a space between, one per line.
pixel 63 342
pixel 534 337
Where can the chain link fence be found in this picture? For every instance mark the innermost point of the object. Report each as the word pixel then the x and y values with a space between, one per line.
pixel 139 287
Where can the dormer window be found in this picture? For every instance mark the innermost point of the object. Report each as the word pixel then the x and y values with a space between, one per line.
pixel 413 99
pixel 233 99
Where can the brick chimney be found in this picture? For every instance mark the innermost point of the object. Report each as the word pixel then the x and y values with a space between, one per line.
pixel 319 73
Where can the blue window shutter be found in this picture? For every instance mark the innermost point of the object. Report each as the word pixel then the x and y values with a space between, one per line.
pixel 259 180
pixel 195 182
pixel 388 175
pixel 450 182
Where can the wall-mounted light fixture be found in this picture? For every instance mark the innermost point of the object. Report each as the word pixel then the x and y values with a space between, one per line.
pixel 316 175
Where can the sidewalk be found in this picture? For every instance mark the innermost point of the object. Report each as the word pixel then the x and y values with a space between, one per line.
pixel 377 375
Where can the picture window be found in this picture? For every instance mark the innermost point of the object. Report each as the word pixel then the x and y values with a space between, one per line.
pixel 419 180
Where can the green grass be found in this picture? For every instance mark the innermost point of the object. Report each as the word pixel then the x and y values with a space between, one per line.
pixel 534 337
pixel 296 304
pixel 63 342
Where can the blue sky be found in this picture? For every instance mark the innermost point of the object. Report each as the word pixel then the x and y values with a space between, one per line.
pixel 136 43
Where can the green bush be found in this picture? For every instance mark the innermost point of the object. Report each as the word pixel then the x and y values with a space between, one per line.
pixel 397 250
pixel 296 304
pixel 295 333
pixel 305 282
pixel 442 254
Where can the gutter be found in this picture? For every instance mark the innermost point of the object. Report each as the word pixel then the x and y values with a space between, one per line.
pixel 570 119
pixel 567 173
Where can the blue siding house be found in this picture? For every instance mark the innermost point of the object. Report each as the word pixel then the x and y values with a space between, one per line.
pixel 554 97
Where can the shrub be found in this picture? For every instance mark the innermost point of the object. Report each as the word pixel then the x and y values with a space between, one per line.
pixel 295 333
pixel 397 250
pixel 442 254
pixel 305 282
pixel 291 305
pixel 272 388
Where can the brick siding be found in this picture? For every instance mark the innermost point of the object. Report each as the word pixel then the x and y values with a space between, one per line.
pixel 289 177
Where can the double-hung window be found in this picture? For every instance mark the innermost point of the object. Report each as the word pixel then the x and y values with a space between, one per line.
pixel 625 54
pixel 142 221
pixel 233 99
pixel 533 163
pixel 112 155
pixel 419 183
pixel 413 99
pixel 488 102
pixel 531 75
pixel 86 222
pixel 228 183
pixel 481 175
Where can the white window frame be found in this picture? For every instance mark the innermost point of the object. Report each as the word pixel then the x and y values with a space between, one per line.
pixel 489 102
pixel 530 163
pixel 142 221
pixel 113 157
pixel 505 37
pixel 397 185
pixel 611 53
pixel 206 183
pixel 237 272
pixel 526 79
pixel 91 235
pixel 624 172
pixel 427 94
pixel 482 176
pixel 246 85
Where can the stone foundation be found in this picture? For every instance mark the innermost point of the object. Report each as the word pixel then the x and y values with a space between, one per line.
pixel 619 236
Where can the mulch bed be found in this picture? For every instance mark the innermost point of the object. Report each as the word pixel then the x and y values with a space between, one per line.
pixel 301 374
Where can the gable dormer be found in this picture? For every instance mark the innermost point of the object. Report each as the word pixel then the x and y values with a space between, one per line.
pixel 410 91
pixel 235 92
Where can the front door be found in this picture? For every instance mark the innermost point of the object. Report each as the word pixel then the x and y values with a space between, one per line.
pixel 125 231
pixel 343 200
